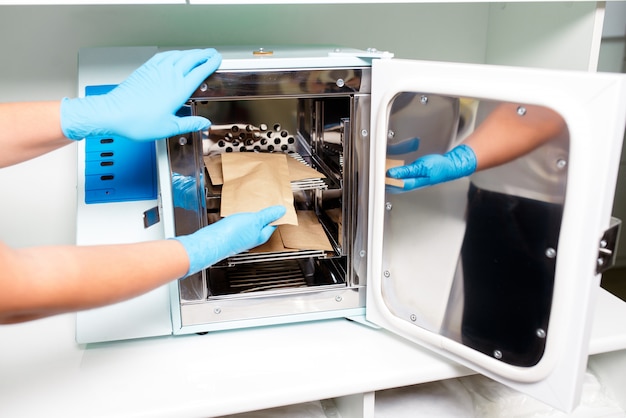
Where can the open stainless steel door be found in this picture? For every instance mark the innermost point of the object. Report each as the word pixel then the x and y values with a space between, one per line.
pixel 497 271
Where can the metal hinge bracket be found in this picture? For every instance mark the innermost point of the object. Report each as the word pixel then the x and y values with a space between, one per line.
pixel 607 251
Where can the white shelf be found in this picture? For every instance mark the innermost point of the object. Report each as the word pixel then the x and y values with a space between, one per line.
pixel 44 372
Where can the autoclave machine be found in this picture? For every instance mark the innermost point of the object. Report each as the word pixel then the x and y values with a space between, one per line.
pixel 360 250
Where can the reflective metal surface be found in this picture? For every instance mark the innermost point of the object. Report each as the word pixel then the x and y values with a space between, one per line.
pixel 318 117
pixel 185 154
pixel 271 83
pixel 473 259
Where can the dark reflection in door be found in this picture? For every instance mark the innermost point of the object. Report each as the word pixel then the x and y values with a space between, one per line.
pixel 508 260
pixel 500 227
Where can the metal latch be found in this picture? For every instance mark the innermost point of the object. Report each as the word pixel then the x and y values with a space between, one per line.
pixel 608 246
pixel 151 217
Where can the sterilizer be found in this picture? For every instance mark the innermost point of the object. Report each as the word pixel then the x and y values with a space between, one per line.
pixel 337 118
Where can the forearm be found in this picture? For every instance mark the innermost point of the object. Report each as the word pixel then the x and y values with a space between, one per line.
pixel 42 281
pixel 28 130
pixel 505 135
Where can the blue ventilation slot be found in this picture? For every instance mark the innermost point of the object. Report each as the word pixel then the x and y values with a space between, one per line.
pixel 118 169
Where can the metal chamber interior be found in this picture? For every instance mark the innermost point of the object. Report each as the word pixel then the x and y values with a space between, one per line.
pixel 314 131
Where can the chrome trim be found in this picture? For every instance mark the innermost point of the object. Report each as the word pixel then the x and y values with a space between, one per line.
pixel 297 83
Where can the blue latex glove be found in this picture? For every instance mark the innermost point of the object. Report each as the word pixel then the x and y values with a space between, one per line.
pixel 185 193
pixel 432 169
pixel 229 236
pixel 143 107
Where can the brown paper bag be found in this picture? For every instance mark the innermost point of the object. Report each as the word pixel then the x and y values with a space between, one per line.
pixel 297 170
pixel 213 164
pixel 273 245
pixel 389 163
pixel 253 181
pixel 307 235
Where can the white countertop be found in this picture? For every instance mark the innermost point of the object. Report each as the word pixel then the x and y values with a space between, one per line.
pixel 43 372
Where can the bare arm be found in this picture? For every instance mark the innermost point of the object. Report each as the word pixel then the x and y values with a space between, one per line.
pixel 29 130
pixel 505 135
pixel 43 281
pixel 502 137
pixel 142 108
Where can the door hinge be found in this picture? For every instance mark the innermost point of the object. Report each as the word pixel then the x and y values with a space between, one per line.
pixel 607 251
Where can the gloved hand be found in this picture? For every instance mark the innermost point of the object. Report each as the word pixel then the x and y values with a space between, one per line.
pixel 143 107
pixel 229 236
pixel 432 169
pixel 184 192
